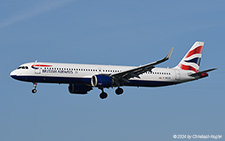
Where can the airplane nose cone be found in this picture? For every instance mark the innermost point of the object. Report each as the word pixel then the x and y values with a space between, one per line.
pixel 17 75
pixel 13 74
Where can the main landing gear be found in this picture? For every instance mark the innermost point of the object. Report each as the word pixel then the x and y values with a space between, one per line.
pixel 35 86
pixel 119 91
pixel 104 95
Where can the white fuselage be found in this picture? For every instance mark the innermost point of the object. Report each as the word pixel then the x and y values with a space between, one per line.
pixel 82 73
pixel 83 77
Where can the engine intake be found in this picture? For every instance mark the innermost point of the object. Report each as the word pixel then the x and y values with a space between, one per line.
pixel 102 81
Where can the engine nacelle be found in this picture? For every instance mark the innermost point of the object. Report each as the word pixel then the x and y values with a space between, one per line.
pixel 79 89
pixel 101 81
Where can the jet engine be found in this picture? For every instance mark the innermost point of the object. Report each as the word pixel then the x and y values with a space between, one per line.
pixel 102 81
pixel 79 89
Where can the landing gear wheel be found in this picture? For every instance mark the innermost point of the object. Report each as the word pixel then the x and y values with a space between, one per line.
pixel 35 86
pixel 119 91
pixel 34 91
pixel 103 95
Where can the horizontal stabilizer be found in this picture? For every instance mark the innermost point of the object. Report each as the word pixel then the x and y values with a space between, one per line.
pixel 202 73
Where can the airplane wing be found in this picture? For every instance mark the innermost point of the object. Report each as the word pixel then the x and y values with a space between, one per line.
pixel 124 76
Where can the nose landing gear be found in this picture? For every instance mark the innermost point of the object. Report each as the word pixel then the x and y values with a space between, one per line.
pixel 35 86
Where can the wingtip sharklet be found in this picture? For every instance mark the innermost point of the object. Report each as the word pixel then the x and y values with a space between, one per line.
pixel 169 54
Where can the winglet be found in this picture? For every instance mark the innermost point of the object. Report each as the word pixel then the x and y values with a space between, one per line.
pixel 169 54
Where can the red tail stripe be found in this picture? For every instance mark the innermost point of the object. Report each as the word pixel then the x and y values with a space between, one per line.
pixel 197 50
pixel 184 67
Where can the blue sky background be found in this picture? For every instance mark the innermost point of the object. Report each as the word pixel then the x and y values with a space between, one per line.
pixel 118 32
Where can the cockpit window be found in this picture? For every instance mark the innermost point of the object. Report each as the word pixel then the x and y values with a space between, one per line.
pixel 23 67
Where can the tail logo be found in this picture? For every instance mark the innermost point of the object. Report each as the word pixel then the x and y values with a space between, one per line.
pixel 197 50
pixel 192 59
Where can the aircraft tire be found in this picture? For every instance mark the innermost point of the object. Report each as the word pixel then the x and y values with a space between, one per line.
pixel 103 95
pixel 119 91
pixel 34 91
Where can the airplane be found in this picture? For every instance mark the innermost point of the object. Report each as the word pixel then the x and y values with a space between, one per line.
pixel 82 78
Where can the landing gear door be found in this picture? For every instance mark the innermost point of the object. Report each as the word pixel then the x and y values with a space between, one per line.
pixel 177 74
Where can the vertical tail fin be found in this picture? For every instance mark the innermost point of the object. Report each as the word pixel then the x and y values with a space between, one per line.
pixel 191 60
